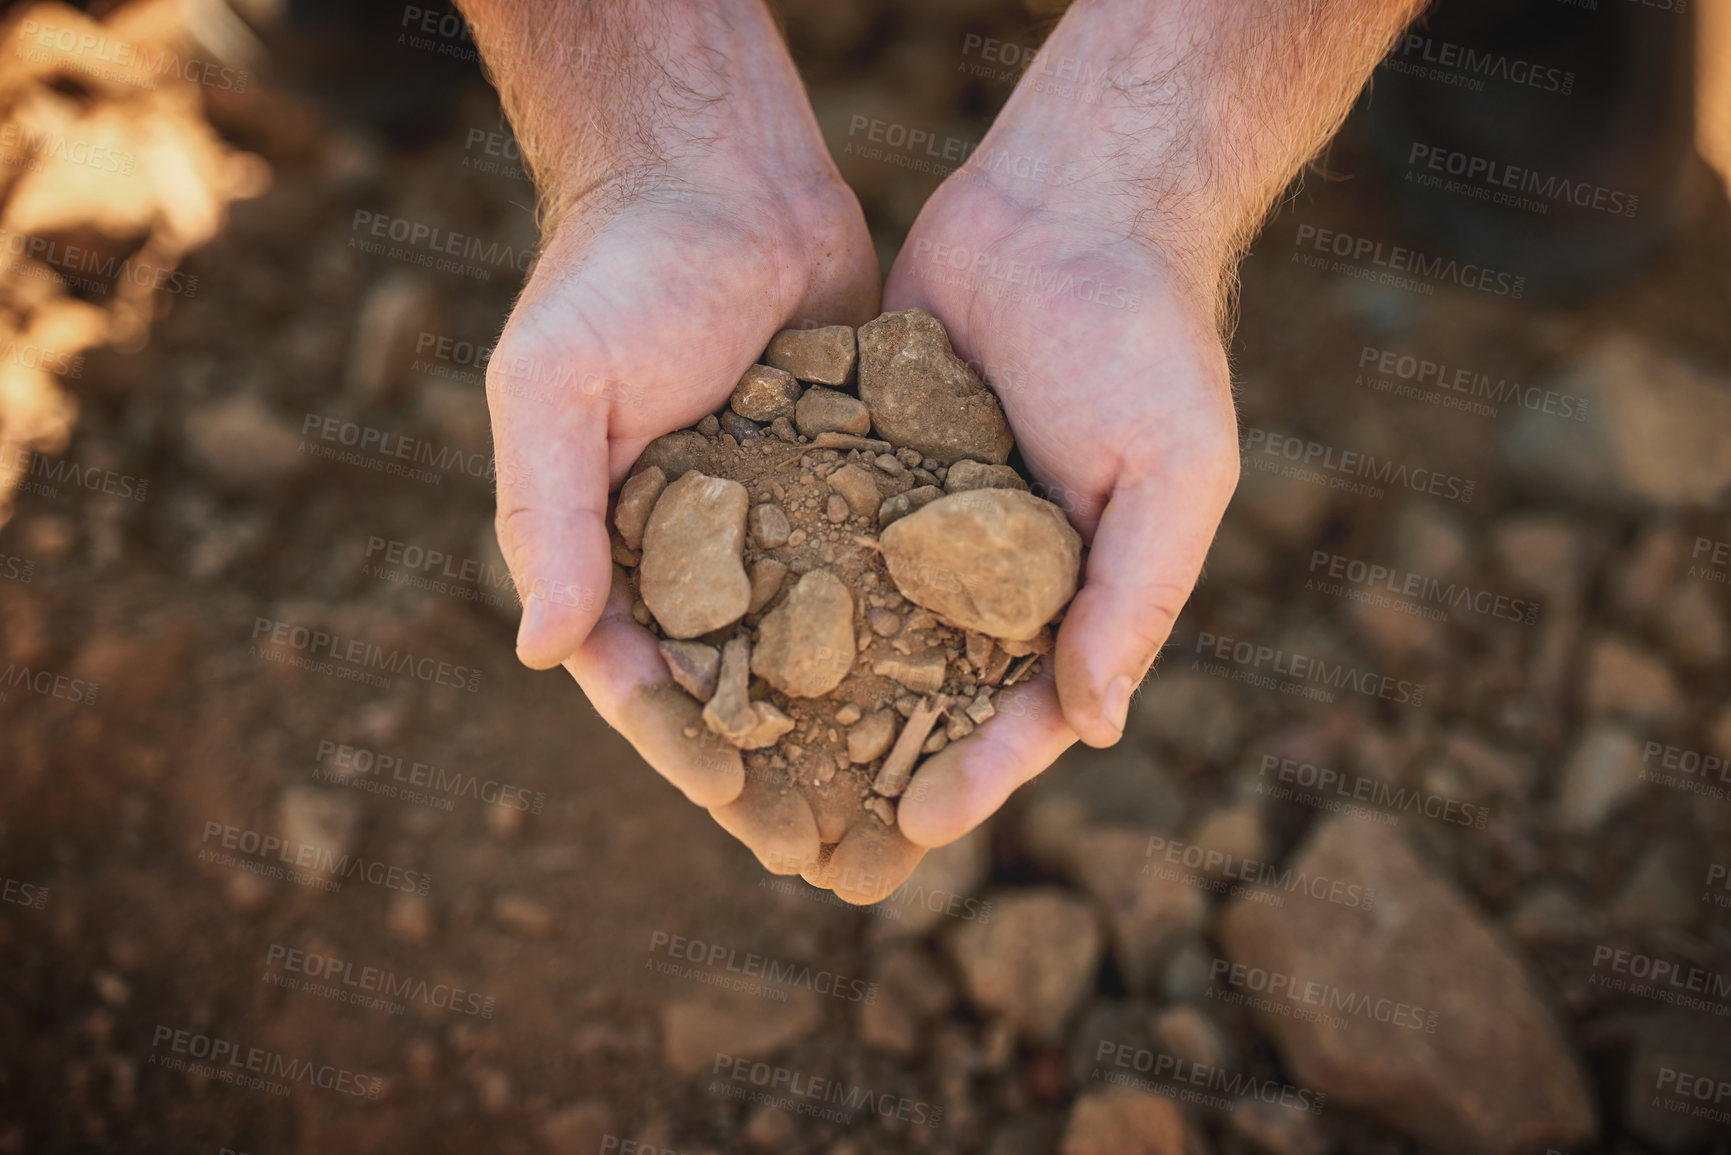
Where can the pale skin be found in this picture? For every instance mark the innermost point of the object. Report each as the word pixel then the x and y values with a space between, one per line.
pixel 1084 256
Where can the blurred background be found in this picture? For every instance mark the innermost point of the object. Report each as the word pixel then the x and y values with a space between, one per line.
pixel 1420 836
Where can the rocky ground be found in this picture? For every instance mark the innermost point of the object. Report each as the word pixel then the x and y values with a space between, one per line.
pixel 1418 840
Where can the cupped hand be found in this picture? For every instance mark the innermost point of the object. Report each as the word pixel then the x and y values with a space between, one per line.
pixel 658 290
pixel 1113 376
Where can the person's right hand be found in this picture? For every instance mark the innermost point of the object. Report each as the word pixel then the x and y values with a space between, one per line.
pixel 657 290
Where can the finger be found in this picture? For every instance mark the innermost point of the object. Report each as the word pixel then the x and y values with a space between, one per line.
pixel 772 819
pixel 1147 553
pixel 868 864
pixel 552 518
pixel 625 679
pixel 963 784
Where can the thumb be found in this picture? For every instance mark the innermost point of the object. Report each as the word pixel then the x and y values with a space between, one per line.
pixel 552 521
pixel 1146 556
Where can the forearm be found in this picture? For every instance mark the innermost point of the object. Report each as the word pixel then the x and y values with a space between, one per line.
pixel 614 93
pixel 1184 119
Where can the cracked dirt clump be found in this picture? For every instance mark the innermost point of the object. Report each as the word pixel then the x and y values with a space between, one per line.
pixel 843 605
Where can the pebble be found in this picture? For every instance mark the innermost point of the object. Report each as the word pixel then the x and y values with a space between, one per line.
pixel 869 738
pixel 859 489
pixel 1496 1076
pixel 769 525
pixel 836 510
pixel 579 1129
pixel 767 575
pixel 242 442
pixel 805 645
pixel 676 453
pixel 966 475
pixel 824 356
pixel 1627 681
pixel 1020 556
pixel 782 430
pixel 883 623
pixel 693 665
pixel 1151 907
pixel 637 497
pixel 523 915
pixel 922 396
pixel 1602 771
pixel 708 425
pixel 692 578
pixel 1033 962
pixel 323 821
pixel 738 428
pixel 889 465
pixel 1124 1121
pixel 714 1021
pixel 923 674
pixel 883 808
pixel 823 410
pixel 765 393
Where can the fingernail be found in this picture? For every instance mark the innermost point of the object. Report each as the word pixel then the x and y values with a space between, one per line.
pixel 534 616
pixel 1117 702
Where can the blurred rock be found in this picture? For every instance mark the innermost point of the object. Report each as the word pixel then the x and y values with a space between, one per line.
pixel 1496 1077
pixel 1653 897
pixel 911 989
pixel 1603 769
pixel 770 1128
pixel 1657 433
pixel 396 310
pixel 243 443
pixel 1107 1023
pixel 523 916
pixel 1493 772
pixel 1693 622
pixel 320 824
pixel 1277 1128
pixel 1678 1062
pixel 1287 511
pixel 579 1129
pixel 1641 580
pixel 409 918
pixel 1034 961
pixel 1543 554
pixel 1198 717
pixel 1629 682
pixel 946 884
pixel 1121 786
pixel 1186 1033
pixel 1122 1121
pixel 715 1021
pixel 1150 906
pixel 1549 914
pixel 1430 540
pixel 1234 831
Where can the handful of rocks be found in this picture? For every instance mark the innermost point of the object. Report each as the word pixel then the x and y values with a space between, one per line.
pixel 842 567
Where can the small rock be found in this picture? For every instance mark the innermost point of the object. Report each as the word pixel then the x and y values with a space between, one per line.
pixel 694 666
pixel 1630 682
pixel 409 918
pixel 782 430
pixel 708 425
pixel 767 574
pixel 1603 770
pixel 1234 831
pixel 765 393
pixel 921 673
pixel 824 356
pixel 580 1129
pixel 319 824
pixel 714 1021
pixel 805 646
pixel 676 453
pixel 1034 961
pixel 883 623
pixel 1152 907
pixel 769 525
pixel 981 707
pixel 770 1128
pixel 848 714
pixel 692 578
pixel 523 916
pixel 894 507
pixel 738 428
pixel 966 475
pixel 1498 1083
pixel 911 989
pixel 870 737
pixel 1654 898
pixel 883 809
pixel 995 561
pixel 1124 1121
pixel 732 714
pixel 922 396
pixel 836 509
pixel 1186 1033
pixel 890 465
pixel 242 442
pixel 823 410
pixel 1279 1128
pixel 858 487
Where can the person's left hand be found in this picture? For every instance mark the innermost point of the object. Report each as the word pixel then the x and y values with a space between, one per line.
pixel 1114 379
